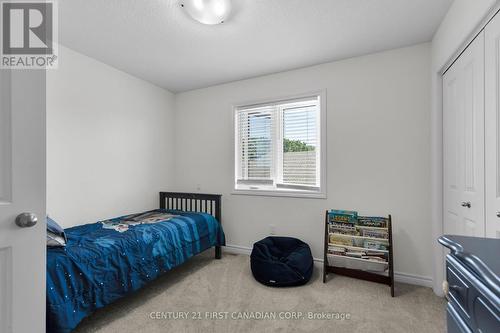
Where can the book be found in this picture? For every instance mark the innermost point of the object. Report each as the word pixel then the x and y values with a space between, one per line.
pixel 338 250
pixel 375 244
pixel 372 252
pixel 355 254
pixel 373 221
pixel 375 233
pixel 374 258
pixel 347 240
pixel 342 216
pixel 339 239
pixel 342 229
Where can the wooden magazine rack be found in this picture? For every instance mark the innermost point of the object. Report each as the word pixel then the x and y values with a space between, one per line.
pixel 363 267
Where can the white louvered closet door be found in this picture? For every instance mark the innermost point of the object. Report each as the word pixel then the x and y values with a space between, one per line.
pixel 492 156
pixel 463 143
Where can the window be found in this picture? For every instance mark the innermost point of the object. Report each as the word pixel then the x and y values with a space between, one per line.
pixel 279 148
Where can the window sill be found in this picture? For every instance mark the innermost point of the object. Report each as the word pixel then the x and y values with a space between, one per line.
pixel 280 193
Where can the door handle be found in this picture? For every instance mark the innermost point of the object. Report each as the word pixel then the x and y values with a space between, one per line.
pixel 26 220
pixel 466 204
pixel 498 214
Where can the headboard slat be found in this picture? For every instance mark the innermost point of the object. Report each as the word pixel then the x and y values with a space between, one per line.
pixel 195 202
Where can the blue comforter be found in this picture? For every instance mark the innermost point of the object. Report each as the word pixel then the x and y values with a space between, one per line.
pixel 99 266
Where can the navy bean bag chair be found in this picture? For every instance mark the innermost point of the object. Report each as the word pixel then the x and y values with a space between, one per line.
pixel 281 262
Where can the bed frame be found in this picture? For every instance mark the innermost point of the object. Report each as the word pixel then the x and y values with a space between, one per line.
pixel 194 202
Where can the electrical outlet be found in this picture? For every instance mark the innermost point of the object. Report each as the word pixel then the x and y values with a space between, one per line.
pixel 272 229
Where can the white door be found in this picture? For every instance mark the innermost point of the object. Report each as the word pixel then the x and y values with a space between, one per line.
pixel 463 143
pixel 492 116
pixel 22 189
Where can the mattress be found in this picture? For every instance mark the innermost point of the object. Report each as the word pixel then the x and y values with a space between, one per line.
pixel 101 264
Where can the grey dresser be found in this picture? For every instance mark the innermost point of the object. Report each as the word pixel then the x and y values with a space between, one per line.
pixel 472 284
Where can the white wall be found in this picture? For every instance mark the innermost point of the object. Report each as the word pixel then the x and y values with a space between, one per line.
pixel 460 21
pixel 109 141
pixel 462 18
pixel 378 148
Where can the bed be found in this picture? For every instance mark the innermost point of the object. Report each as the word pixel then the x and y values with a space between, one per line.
pixel 102 262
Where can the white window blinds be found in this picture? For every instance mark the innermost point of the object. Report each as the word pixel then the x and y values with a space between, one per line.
pixel 299 146
pixel 255 133
pixel 278 146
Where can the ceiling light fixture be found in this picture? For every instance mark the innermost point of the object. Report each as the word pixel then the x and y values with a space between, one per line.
pixel 207 11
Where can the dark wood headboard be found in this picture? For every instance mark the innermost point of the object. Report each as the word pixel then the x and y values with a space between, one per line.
pixel 192 202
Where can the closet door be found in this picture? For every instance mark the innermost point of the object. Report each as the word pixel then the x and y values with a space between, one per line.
pixel 492 94
pixel 463 143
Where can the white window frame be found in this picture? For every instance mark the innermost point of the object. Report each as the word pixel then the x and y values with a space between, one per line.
pixel 322 161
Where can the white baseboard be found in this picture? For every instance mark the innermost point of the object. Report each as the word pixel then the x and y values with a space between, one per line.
pixel 418 280
pixel 236 249
pixel 424 281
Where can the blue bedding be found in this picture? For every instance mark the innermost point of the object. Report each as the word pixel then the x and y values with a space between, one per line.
pixel 99 266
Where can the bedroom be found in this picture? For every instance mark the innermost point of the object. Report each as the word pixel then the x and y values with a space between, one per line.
pixel 292 119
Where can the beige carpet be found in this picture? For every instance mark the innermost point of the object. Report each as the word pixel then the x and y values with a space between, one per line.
pixel 205 285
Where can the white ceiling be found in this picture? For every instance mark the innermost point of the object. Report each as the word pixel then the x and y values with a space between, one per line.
pixel 156 41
